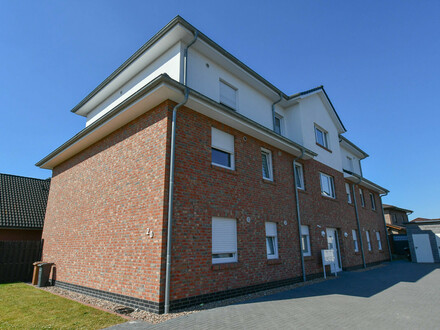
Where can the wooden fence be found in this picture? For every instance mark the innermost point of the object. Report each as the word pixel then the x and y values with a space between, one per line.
pixel 16 259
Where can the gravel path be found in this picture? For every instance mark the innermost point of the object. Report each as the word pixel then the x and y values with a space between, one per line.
pixel 153 318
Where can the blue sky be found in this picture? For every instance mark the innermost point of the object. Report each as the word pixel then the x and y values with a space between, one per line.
pixel 379 61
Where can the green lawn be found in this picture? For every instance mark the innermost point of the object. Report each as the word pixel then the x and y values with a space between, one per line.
pixel 25 307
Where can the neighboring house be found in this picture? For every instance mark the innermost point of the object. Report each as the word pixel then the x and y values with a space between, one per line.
pixel 395 217
pixel 424 239
pixel 241 155
pixel 22 207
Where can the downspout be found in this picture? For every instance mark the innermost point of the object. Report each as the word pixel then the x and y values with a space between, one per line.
pixel 273 111
pixel 358 223
pixel 298 215
pixel 171 186
pixel 385 224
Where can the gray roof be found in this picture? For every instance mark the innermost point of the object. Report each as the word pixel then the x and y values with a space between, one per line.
pixel 23 201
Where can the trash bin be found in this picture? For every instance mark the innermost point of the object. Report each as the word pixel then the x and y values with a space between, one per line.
pixel 43 274
pixel 36 272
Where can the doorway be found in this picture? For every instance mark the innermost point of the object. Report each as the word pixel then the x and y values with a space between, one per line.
pixel 333 244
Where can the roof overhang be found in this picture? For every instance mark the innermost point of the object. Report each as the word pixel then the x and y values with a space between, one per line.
pixel 392 207
pixel 320 91
pixel 357 179
pixel 350 146
pixel 160 89
pixel 176 30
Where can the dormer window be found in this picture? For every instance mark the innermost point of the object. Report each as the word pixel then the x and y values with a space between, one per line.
pixel 278 124
pixel 228 95
pixel 321 137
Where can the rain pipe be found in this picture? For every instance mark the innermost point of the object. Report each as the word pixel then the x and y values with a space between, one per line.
pixel 385 224
pixel 357 220
pixel 171 186
pixel 298 214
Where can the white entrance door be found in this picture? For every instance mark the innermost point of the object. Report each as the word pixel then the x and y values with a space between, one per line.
pixel 333 244
pixel 422 246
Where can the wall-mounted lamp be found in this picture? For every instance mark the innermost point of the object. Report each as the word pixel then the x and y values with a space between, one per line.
pixel 323 233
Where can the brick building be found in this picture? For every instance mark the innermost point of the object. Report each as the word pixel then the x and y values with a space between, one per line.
pixel 395 217
pixel 254 182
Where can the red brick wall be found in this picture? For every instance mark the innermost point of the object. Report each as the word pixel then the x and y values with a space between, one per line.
pixel 20 235
pixel 204 190
pixel 101 203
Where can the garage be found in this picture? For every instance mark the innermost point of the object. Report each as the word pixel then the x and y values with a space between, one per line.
pixel 424 240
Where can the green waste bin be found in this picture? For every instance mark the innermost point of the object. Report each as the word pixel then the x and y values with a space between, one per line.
pixel 44 273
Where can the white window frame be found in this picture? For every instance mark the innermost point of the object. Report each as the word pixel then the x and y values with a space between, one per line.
pixel 367 234
pixel 379 242
pixel 305 236
pixel 281 119
pixel 218 146
pixel 299 183
pixel 271 235
pixel 225 223
pixel 268 154
pixel 361 194
pixel 331 184
pixel 355 240
pixel 348 191
pixel 324 137
pixel 350 164
pixel 373 202
pixel 225 102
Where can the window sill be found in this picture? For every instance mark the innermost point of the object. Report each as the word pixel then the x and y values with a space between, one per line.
pixel 224 169
pixel 357 253
pixel 309 258
pixel 327 149
pixel 274 261
pixel 226 265
pixel 268 181
pixel 303 191
pixel 330 198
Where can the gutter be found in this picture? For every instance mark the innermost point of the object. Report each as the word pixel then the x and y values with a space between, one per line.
pixel 171 186
pixel 298 216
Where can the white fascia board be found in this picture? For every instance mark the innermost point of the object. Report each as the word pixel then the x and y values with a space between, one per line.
pixel 366 184
pixel 167 41
pixel 243 126
pixel 147 102
pixel 352 150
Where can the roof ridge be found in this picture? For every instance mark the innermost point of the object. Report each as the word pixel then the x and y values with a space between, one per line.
pixel 25 177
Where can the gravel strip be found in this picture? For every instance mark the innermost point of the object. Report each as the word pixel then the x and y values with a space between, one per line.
pixel 153 318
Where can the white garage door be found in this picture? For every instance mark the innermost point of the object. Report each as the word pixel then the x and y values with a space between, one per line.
pixel 422 247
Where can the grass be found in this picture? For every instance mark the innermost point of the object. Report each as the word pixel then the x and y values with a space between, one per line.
pixel 25 307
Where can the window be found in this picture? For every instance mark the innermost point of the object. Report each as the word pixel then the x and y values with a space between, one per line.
pixel 327 185
pixel 361 193
pixel 350 163
pixel 266 158
pixel 224 240
pixel 367 233
pixel 347 189
pixel 373 202
pixel 228 95
pixel 379 243
pixel 355 240
pixel 305 241
pixel 299 176
pixel 278 124
pixel 321 137
pixel 222 148
pixel 271 240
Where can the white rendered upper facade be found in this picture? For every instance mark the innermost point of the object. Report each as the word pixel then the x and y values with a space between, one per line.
pixel 306 123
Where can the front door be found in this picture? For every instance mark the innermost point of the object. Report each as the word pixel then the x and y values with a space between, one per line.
pixel 333 244
pixel 423 249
